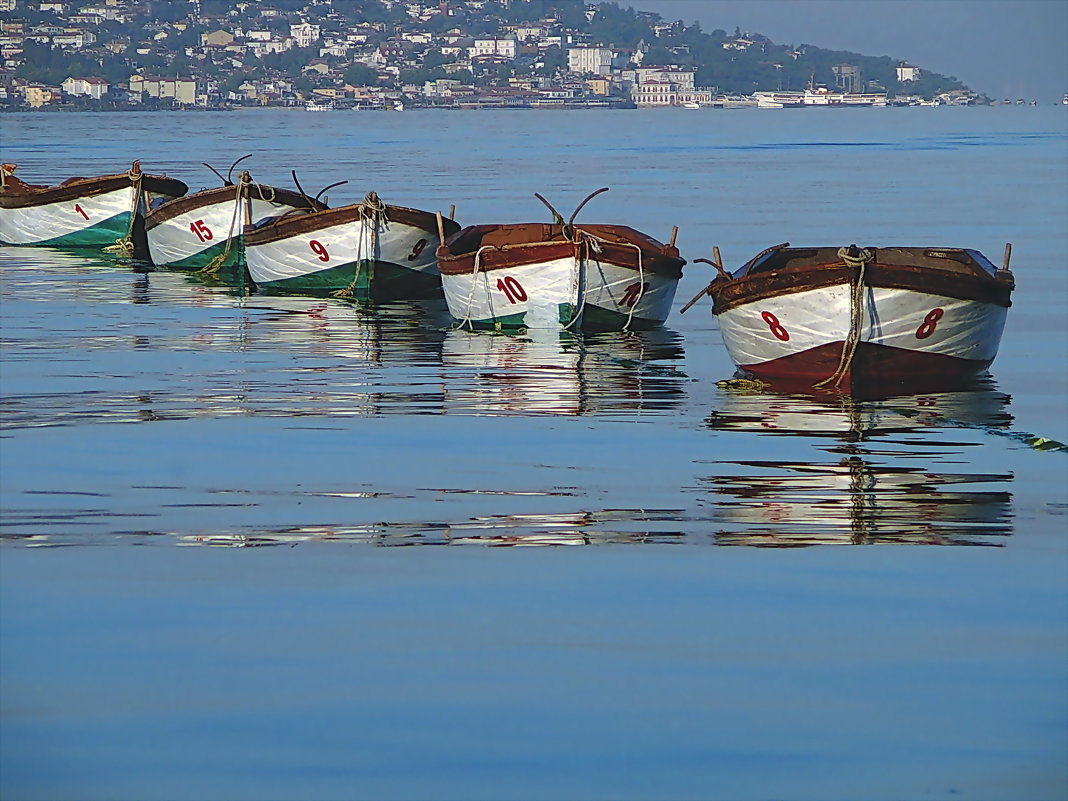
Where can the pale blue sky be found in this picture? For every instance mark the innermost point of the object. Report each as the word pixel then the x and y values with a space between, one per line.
pixel 1003 48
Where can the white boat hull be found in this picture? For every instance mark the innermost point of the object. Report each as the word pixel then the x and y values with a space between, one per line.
pixel 93 220
pixel 803 333
pixel 191 240
pixel 341 256
pixel 557 292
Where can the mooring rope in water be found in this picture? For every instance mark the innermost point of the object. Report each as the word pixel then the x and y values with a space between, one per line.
pixel 857 258
pixel 125 244
pixel 212 268
pixel 374 210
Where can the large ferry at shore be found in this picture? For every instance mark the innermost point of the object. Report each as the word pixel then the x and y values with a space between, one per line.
pixel 818 97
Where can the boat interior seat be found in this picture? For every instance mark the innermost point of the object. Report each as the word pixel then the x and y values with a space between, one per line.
pixel 517 235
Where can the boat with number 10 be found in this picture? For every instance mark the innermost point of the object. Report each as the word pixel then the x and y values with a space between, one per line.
pixel 558 275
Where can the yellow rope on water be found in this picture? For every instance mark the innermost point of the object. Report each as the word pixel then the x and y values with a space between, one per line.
pixel 211 269
pixel 372 210
pixel 125 245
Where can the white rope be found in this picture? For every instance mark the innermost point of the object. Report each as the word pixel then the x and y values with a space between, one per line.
pixel 594 241
pixel 474 278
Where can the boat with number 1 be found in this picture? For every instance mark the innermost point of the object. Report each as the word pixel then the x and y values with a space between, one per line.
pixel 105 211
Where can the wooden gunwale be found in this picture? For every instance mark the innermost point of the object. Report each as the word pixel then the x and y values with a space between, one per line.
pixel 730 294
pixel 285 227
pixel 30 195
pixel 221 194
pixel 655 256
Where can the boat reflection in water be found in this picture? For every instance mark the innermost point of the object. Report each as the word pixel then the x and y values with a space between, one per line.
pixel 506 530
pixel 873 492
pixel 560 373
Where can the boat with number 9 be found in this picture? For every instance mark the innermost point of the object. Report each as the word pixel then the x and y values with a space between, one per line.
pixel 853 319
pixel 366 250
pixel 106 211
pixel 558 275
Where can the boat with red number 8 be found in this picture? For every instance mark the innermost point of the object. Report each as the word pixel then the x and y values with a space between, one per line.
pixel 202 230
pixel 106 211
pixel 558 275
pixel 857 319
pixel 367 250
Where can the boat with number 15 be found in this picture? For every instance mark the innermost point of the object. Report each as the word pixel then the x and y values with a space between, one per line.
pixel 202 231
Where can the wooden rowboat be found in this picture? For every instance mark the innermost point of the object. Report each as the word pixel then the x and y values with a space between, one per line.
pixel 202 231
pixel 535 275
pixel 367 249
pixel 107 210
pixel 862 319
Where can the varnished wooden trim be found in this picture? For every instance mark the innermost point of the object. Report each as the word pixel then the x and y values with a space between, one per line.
pixel 729 294
pixel 284 227
pixel 22 195
pixel 222 194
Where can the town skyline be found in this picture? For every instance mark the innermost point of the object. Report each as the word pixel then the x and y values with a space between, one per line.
pixel 389 53
pixel 1001 48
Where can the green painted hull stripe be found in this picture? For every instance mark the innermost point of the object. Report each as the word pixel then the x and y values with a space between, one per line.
pixel 199 261
pixel 99 235
pixel 376 276
pixel 593 317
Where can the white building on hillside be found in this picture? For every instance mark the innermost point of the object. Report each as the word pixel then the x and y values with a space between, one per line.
pixel 95 88
pixel 906 72
pixel 590 60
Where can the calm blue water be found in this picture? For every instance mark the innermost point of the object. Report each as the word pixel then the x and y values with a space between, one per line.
pixel 148 409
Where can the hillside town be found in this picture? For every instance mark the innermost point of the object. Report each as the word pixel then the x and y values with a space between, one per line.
pixel 323 55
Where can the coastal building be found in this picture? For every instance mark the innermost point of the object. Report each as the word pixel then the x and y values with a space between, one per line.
pixel 590 60
pixel 96 88
pixel 182 90
pixel 505 47
pixel 305 34
pixel 906 72
pixel 38 95
pixel 219 38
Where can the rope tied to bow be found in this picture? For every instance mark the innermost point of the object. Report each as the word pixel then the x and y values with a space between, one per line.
pixel 211 270
pixel 372 216
pixel 592 245
pixel 471 293
pixel 125 245
pixel 858 259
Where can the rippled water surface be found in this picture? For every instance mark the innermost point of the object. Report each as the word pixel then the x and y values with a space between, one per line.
pixel 148 408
